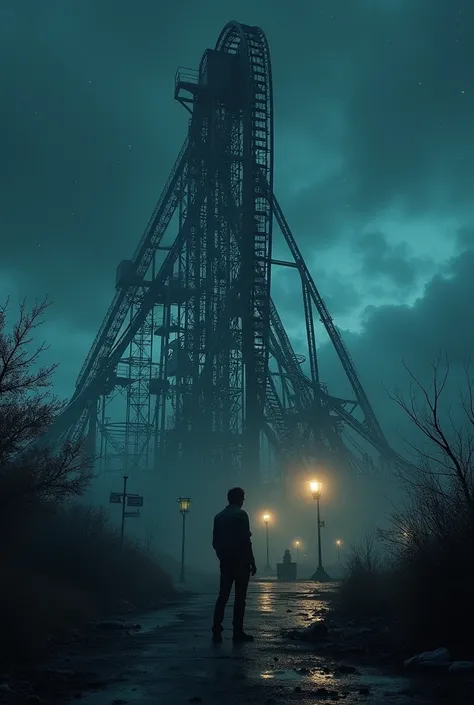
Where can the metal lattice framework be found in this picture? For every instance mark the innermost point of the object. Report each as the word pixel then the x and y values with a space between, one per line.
pixel 192 362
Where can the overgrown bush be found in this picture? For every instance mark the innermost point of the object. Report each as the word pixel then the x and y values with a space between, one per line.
pixel 61 563
pixel 366 589
pixel 67 568
pixel 426 581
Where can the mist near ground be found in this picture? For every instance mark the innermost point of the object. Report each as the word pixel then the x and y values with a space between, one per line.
pixel 373 121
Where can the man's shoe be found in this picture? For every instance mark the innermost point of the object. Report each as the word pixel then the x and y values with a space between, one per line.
pixel 242 638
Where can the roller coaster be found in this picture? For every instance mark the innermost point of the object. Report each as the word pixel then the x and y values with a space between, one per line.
pixel 192 367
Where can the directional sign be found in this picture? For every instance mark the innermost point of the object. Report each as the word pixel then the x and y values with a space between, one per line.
pixel 116 498
pixel 135 514
pixel 134 501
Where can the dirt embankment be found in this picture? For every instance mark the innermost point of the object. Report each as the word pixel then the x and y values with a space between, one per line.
pixel 362 643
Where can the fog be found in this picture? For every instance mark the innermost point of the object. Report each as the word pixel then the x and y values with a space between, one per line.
pixel 373 155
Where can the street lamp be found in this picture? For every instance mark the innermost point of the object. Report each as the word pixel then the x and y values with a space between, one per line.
pixel 320 575
pixel 338 544
pixel 297 546
pixel 266 518
pixel 184 505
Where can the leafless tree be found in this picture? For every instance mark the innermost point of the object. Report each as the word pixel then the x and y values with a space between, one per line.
pixel 440 485
pixel 27 407
pixel 364 556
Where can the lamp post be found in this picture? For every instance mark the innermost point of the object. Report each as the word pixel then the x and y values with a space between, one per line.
pixel 297 546
pixel 266 518
pixel 184 505
pixel 338 544
pixel 320 575
pixel 124 499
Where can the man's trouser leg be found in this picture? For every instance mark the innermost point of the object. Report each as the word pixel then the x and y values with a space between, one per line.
pixel 227 579
pixel 242 578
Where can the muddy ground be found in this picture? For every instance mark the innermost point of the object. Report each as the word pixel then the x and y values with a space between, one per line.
pixel 171 660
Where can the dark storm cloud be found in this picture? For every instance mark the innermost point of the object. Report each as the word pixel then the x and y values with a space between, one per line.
pixel 83 159
pixel 441 321
pixel 379 258
pixel 340 295
pixel 399 81
pixel 317 214
pixel 465 237
pixel 376 94
pixel 412 112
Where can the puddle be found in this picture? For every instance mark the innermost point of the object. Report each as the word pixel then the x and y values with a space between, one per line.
pixel 281 676
pixel 303 674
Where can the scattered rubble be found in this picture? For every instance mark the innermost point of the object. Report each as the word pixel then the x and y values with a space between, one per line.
pixel 439 658
pixel 458 666
pixel 314 633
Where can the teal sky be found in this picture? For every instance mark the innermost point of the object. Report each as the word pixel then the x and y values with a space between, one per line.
pixel 374 161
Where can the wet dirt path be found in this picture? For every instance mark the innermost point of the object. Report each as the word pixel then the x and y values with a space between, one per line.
pixel 172 661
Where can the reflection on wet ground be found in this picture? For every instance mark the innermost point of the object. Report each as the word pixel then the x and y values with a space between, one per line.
pixel 174 661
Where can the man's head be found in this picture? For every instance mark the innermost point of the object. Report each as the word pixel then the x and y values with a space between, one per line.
pixel 236 496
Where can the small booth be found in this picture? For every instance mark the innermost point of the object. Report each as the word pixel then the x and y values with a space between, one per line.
pixel 287 570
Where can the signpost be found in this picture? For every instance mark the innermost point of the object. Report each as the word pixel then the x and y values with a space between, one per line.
pixel 126 499
pixel 134 501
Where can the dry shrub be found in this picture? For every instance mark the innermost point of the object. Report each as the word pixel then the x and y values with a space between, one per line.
pixel 32 609
pixel 427 582
pixel 83 549
pixel 64 568
pixel 366 588
pixel 61 564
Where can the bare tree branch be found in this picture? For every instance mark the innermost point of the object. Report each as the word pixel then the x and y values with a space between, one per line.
pixel 27 409
pixel 439 502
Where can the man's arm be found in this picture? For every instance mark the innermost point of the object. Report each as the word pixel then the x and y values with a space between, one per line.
pixel 248 544
pixel 215 538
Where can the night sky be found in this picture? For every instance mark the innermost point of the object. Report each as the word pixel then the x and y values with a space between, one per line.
pixel 374 116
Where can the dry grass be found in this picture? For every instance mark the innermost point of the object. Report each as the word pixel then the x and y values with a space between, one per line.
pixel 421 583
pixel 64 568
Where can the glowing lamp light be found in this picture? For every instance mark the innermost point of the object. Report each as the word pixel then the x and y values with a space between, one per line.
pixel 316 487
pixel 297 543
pixel 266 518
pixel 184 504
pixel 338 542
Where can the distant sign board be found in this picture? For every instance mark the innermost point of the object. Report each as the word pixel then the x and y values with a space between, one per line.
pixel 116 497
pixel 135 514
pixel 134 501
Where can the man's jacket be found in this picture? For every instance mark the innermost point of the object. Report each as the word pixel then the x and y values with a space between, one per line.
pixel 231 536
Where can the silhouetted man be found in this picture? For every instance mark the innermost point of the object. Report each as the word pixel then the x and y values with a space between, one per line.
pixel 232 544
